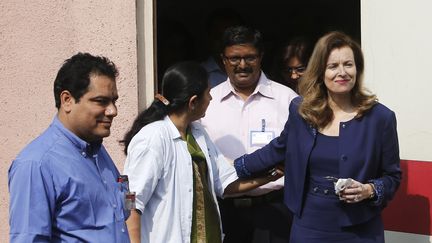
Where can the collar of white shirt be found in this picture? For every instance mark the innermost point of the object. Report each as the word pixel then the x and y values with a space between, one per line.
pixel 263 88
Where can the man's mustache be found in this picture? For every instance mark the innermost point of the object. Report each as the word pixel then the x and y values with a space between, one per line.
pixel 243 70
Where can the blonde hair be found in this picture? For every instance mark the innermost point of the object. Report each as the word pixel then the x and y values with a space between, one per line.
pixel 315 108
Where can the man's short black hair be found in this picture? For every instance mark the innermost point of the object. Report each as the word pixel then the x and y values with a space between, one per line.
pixel 240 35
pixel 74 75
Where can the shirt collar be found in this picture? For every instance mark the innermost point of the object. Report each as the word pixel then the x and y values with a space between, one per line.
pixel 263 87
pixel 84 147
pixel 173 129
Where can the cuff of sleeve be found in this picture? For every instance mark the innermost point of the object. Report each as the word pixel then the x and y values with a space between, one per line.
pixel 239 165
pixel 139 205
pixel 379 192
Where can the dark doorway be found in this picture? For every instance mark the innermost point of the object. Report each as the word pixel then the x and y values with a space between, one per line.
pixel 182 24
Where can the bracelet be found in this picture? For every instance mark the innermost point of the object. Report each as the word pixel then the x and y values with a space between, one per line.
pixel 372 195
pixel 379 192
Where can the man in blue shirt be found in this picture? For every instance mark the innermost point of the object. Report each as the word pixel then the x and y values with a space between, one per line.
pixel 63 185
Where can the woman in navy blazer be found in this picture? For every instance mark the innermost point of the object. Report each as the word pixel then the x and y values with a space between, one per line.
pixel 336 130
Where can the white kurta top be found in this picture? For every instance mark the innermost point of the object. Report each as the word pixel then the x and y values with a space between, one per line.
pixel 160 171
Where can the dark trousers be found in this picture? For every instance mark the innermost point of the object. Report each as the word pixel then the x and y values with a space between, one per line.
pixel 256 219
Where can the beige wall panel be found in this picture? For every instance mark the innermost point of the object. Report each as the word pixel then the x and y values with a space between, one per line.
pixel 35 38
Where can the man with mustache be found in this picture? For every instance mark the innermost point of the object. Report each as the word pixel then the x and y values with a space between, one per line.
pixel 247 111
pixel 63 185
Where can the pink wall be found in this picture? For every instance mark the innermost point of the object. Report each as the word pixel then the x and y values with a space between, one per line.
pixel 35 38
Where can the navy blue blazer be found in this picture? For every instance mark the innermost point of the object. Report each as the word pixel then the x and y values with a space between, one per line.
pixel 368 151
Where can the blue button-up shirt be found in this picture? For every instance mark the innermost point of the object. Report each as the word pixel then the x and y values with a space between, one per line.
pixel 63 189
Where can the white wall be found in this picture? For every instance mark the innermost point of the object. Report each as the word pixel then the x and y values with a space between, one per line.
pixel 397 43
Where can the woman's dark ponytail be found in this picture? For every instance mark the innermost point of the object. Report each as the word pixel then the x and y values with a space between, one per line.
pixel 179 83
pixel 155 112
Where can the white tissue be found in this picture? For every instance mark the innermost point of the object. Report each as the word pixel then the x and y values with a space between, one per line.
pixel 341 184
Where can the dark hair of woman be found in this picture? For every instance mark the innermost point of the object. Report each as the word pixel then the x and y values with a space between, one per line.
pixel 298 47
pixel 179 83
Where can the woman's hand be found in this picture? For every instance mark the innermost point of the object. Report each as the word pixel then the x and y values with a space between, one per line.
pixel 357 192
pixel 244 185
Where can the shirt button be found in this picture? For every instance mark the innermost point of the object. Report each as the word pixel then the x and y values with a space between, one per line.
pixel 190 190
pixel 114 205
pixel 123 230
pixel 344 157
pixel 190 217
pixel 104 182
pixel 83 154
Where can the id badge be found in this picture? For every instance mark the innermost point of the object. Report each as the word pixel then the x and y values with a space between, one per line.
pixel 259 138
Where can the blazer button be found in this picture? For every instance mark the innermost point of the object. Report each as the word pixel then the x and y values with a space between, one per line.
pixel 326 191
pixel 344 157
pixel 343 125
pixel 315 189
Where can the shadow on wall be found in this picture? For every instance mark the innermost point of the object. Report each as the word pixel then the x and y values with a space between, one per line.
pixel 410 210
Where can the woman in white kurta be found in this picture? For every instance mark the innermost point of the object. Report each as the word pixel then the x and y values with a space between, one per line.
pixel 174 168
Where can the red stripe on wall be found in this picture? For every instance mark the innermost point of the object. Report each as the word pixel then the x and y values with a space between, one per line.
pixel 410 210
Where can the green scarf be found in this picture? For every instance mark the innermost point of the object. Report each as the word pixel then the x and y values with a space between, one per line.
pixel 205 218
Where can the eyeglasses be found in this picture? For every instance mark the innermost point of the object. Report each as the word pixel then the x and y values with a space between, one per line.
pixel 298 70
pixel 236 60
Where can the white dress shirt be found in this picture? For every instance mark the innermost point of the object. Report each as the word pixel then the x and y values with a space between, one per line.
pixel 159 167
pixel 230 120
